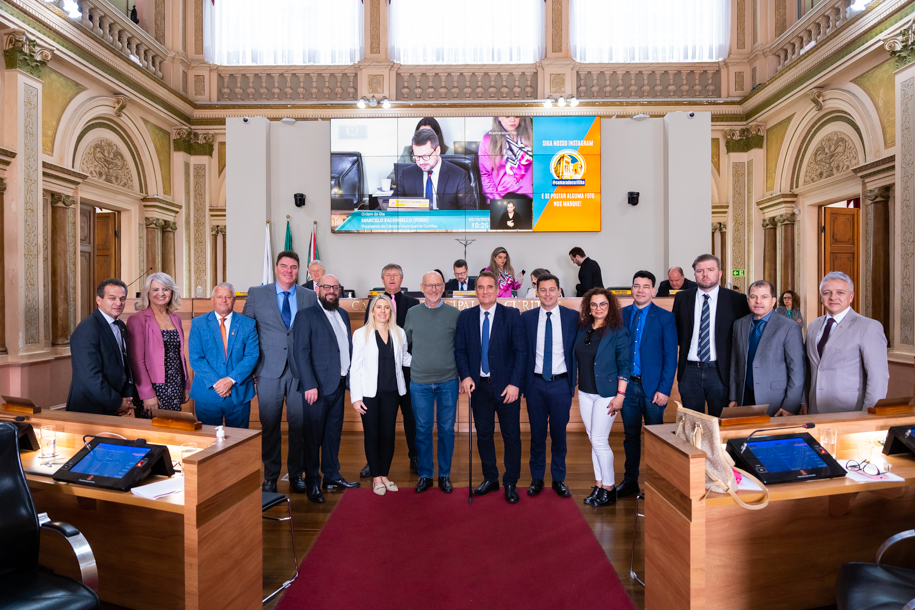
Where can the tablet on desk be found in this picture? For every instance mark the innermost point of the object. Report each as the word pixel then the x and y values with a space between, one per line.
pixel 112 463
pixel 785 458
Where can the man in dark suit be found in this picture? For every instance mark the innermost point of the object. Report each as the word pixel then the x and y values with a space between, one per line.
pixel 323 347
pixel 490 353
pixel 274 307
pixel 589 273
pixel 315 271
pixel 445 185
pixel 653 353
pixel 768 364
pixel 675 281
pixel 705 318
pixel 549 381
pixel 461 280
pixel 102 381
pixel 392 278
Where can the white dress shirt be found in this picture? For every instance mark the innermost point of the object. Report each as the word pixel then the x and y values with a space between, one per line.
pixel 697 319
pixel 492 317
pixel 838 318
pixel 114 329
pixel 436 172
pixel 559 356
pixel 342 338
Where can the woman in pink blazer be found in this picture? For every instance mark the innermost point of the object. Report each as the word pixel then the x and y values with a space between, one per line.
pixel 157 357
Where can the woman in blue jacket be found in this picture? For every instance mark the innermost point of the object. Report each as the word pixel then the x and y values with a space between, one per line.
pixel 601 360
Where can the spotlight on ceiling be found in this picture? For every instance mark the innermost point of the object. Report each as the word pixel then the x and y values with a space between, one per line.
pixel 573 101
pixel 385 103
pixel 548 102
pixel 361 104
pixel 561 102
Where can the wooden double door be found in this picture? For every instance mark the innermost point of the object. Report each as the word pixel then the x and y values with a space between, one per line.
pixel 840 247
pixel 99 252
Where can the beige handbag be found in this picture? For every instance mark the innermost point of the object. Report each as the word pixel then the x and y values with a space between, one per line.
pixel 701 431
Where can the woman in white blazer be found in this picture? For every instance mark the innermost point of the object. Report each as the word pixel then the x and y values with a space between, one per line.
pixel 376 382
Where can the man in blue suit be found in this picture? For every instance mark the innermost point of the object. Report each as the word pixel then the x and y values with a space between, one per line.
pixel 549 381
pixel 653 352
pixel 490 353
pixel 224 348
pixel 322 353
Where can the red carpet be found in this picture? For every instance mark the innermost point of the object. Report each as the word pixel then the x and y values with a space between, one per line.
pixel 406 550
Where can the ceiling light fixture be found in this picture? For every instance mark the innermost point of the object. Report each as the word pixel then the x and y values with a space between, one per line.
pixel 548 102
pixel 385 103
pixel 361 103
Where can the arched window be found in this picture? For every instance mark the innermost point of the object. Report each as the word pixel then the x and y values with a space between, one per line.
pixel 623 31
pixel 284 32
pixel 466 31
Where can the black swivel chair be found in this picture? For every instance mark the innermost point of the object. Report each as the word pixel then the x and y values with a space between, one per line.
pixel 272 500
pixel 347 180
pixel 469 162
pixel 22 585
pixel 876 586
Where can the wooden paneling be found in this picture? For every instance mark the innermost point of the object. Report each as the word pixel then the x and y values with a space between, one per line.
pixel 87 281
pixel 840 247
pixel 107 250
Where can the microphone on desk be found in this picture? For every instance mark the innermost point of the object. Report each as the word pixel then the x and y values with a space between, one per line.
pixel 808 425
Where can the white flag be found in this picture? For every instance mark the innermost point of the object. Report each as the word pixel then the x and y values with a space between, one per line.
pixel 268 258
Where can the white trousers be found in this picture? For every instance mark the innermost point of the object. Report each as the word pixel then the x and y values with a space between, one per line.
pixel 598 423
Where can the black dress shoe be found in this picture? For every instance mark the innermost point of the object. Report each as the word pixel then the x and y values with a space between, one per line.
pixel 341 483
pixel 535 488
pixel 314 494
pixel 365 472
pixel 445 485
pixel 560 488
pixel 511 494
pixel 595 491
pixel 605 497
pixel 269 486
pixel 297 485
pixel 627 488
pixel 486 487
pixel 414 465
pixel 423 484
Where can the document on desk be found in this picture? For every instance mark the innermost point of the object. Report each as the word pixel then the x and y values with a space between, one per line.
pixel 863 478
pixel 160 489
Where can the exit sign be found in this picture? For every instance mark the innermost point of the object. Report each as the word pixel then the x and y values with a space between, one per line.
pixel 738 272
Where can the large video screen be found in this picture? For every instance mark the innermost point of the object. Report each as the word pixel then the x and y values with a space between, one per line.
pixel 465 174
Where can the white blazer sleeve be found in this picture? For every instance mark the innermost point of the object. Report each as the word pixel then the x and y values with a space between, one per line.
pixel 407 357
pixel 356 368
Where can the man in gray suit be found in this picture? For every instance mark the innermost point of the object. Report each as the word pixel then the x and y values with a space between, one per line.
pixel 273 308
pixel 767 356
pixel 847 353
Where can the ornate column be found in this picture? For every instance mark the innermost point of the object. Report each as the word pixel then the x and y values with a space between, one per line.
pixel 62 208
pixel 787 279
pixel 168 246
pixel 770 251
pixel 780 224
pixel 154 244
pixel 744 163
pixel 2 266
pixel 225 261
pixel 723 229
pixel 214 252
pixel 195 152
pixel 877 254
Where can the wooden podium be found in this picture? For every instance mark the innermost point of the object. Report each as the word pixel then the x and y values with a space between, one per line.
pixel 196 550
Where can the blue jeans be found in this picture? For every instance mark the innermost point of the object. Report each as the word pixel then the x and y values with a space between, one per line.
pixel 635 406
pixel 434 401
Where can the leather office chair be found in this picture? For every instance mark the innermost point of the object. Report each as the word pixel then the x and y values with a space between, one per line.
pixel 347 180
pixel 874 586
pixel 22 585
pixel 271 500
pixel 470 164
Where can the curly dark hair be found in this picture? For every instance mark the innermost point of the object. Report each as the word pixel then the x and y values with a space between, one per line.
pixel 614 317
pixel 795 300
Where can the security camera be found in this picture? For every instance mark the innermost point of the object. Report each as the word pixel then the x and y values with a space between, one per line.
pixel 245 119
pixel 633 198
pixel 691 114
pixel 299 200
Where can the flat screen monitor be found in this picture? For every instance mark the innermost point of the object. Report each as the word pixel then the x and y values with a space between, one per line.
pixel 784 458
pixel 113 463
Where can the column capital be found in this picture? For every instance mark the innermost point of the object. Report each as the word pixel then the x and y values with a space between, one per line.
pixel 169 226
pixel 881 193
pixel 193 143
pixel 154 223
pixel 785 219
pixel 902 46
pixel 769 223
pixel 23 53
pixel 745 139
pixel 60 200
pixel 777 204
pixel 2 185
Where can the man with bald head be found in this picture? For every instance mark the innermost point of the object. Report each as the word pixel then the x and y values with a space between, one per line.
pixel 430 329
pixel 675 281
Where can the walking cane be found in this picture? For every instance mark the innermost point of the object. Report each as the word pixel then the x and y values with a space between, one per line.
pixel 470 447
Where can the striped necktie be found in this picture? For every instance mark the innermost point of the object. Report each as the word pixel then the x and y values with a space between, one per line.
pixel 705 349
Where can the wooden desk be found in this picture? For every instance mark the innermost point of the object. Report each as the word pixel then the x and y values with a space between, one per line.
pixel 712 553
pixel 199 549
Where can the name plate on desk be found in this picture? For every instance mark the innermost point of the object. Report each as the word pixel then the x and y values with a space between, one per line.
pixel 176 420
pixel 464 293
pixel 414 203
pixel 14 404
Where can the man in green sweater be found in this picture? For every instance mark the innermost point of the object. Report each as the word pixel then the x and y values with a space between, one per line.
pixel 434 386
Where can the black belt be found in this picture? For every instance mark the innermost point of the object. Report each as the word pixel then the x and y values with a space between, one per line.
pixel 702 365
pixel 635 378
pixel 486 379
pixel 554 377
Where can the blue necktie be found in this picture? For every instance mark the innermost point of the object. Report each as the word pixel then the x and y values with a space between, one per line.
pixel 485 354
pixel 429 194
pixel 755 335
pixel 548 348
pixel 705 349
pixel 286 311
pixel 633 342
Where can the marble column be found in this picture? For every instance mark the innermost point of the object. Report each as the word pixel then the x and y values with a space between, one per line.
pixel 2 266
pixel 168 247
pixel 225 264
pixel 153 244
pixel 214 242
pixel 787 279
pixel 770 253
pixel 877 215
pixel 723 229
pixel 61 209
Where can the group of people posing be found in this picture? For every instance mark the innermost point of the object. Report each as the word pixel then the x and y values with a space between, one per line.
pixel 724 348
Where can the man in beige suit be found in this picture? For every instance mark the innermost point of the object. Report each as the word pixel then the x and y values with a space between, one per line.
pixel 846 351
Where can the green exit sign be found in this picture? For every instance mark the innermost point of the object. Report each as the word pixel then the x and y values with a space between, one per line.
pixel 738 272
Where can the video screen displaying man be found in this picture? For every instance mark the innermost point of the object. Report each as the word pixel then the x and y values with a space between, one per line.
pixel 445 185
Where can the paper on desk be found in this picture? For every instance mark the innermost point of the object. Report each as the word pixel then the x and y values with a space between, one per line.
pixel 159 489
pixel 746 484
pixel 863 478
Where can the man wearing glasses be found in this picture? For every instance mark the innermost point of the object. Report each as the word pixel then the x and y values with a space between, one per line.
pixel 430 329
pixel 445 185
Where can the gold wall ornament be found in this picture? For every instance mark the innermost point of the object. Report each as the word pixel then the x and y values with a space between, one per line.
pixel 880 86
pixel 834 155
pixel 775 137
pixel 198 27
pixel 200 84
pixel 907 212
pixel 376 84
pixel 162 144
pixel 23 53
pixel 739 81
pixel 104 161
pixel 221 158
pixel 557 83
pixel 556 33
pixel 739 218
pixel 375 27
pixel 716 154
pixel 193 143
pixel 781 17
pixel 200 221
pixel 741 25
pixel 744 139
pixel 160 21
pixel 31 207
pixel 57 91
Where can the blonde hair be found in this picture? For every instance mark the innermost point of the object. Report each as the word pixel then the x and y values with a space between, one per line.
pixel 174 303
pixel 393 329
